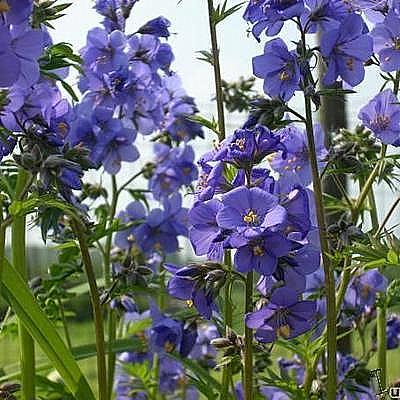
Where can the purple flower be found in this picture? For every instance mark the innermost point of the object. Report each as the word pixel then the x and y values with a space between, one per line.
pixel 362 292
pixel 157 27
pixel 116 12
pixel 104 52
pixel 250 212
pixel 269 15
pixel 203 352
pixel 115 144
pixel 279 68
pixel 382 116
pixel 326 14
pixel 15 12
pixel 204 232
pixel 134 212
pixel 10 65
pixel 345 50
pixel 295 167
pixel 393 332
pixel 262 252
pixel 387 42
pixel 174 168
pixel 188 284
pixel 284 316
pixel 163 226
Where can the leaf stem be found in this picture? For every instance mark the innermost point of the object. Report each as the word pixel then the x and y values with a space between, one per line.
pixel 97 313
pixel 18 244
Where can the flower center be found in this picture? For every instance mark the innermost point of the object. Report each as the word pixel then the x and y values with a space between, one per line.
pixel 250 218
pixel 169 347
pixel 258 251
pixel 4 6
pixel 283 331
pixel 396 43
pixel 240 143
pixel 285 76
pixel 350 63
pixel 381 122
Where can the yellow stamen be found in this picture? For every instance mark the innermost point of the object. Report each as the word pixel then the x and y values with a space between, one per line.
pixel 189 303
pixel 284 331
pixel 284 76
pixel 258 251
pixel 169 347
pixel 251 217
pixel 4 6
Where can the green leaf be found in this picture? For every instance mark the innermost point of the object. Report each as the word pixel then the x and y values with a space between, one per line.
pixel 212 125
pixel 221 12
pixel 206 56
pixel 393 293
pixel 20 298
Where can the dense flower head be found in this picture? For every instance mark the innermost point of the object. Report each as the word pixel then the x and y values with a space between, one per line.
pixel 382 116
pixel 116 12
pixel 283 316
pixel 345 49
pixel 279 68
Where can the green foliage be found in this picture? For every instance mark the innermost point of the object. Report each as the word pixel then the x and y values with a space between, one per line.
pixel 42 330
pixel 206 56
pixel 222 11
pixel 238 95
pixel 46 11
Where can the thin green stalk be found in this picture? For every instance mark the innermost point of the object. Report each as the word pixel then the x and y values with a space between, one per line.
pixel 248 342
pixel 217 71
pixel 387 216
pixel 97 313
pixel 382 339
pixel 111 317
pixel 329 278
pixel 2 241
pixel 18 244
pixel 64 322
pixel 228 318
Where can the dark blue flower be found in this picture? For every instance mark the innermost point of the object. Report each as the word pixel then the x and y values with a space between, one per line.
pixel 393 332
pixel 284 316
pixel 279 68
pixel 345 50
pixel 157 27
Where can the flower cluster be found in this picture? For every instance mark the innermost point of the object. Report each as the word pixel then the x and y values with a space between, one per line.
pixel 35 115
pixel 239 205
pixel 129 88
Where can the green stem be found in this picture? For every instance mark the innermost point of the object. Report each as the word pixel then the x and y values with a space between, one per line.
pixel 228 319
pixel 217 71
pixel 64 322
pixel 18 244
pixel 381 339
pixel 2 241
pixel 329 278
pixel 111 317
pixel 248 342
pixel 97 313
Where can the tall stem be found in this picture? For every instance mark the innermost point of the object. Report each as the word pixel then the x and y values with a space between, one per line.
pixel 227 372
pixel 217 71
pixel 329 277
pixel 381 339
pixel 111 317
pixel 248 342
pixel 2 241
pixel 97 314
pixel 18 244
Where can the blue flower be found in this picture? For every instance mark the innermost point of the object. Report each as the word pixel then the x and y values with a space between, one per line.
pixel 279 68
pixel 387 42
pixel 294 166
pixel 284 316
pixel 250 212
pixel 174 169
pixel 157 27
pixel 382 116
pixel 345 49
